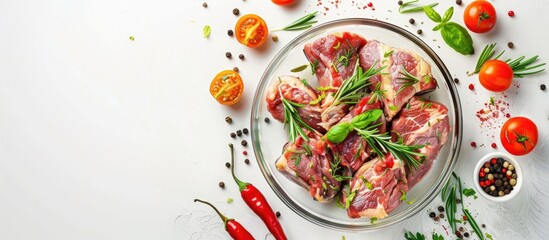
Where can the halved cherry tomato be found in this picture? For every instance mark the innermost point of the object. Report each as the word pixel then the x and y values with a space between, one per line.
pixel 496 75
pixel 480 16
pixel 251 30
pixel 227 87
pixel 519 135
pixel 283 2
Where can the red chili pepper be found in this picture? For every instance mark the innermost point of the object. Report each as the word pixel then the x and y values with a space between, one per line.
pixel 237 231
pixel 257 202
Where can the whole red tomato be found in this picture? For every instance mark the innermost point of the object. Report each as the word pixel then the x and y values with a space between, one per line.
pixel 480 16
pixel 519 135
pixel 284 2
pixel 495 75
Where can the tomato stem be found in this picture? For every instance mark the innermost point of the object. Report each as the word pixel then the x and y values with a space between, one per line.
pixel 482 16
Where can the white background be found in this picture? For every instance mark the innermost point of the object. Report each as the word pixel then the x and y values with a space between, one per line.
pixel 106 138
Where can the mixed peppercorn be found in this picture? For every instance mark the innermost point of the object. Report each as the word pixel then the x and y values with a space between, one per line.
pixel 497 177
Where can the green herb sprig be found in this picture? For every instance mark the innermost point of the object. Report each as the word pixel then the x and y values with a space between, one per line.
pixel 348 93
pixel 379 142
pixel 455 35
pixel 449 194
pixel 293 121
pixel 404 5
pixel 300 24
pixel 520 67
pixel 407 80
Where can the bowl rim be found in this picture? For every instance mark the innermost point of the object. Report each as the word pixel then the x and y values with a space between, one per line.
pixel 518 170
pixel 440 181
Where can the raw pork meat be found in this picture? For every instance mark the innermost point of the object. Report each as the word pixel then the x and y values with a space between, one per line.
pixel 293 89
pixel 309 164
pixel 423 123
pixel 376 188
pixel 398 87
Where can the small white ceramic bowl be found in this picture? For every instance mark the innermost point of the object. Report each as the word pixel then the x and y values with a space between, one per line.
pixel 518 171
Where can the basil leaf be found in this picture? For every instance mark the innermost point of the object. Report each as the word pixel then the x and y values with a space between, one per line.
pixel 457 37
pixel 432 14
pixel 366 118
pixel 339 132
pixel 438 26
pixel 448 15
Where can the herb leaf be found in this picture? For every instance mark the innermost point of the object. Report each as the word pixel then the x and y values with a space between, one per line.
pixel 300 68
pixel 366 118
pixel 339 132
pixel 314 65
pixel 206 31
pixel 414 9
pixel 349 199
pixel 405 198
pixel 448 15
pixel 293 121
pixel 457 38
pixel 411 236
pixel 301 23
pixel 432 14
pixel 469 192
pixel 436 236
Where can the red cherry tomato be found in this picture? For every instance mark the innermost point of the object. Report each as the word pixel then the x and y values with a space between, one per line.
pixel 496 75
pixel 480 16
pixel 284 2
pixel 519 135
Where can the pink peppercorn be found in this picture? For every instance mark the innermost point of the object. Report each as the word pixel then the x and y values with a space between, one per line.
pixel 245 152
pixel 471 87
pixel 511 13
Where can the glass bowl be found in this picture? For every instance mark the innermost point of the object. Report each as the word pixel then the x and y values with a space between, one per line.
pixel 269 138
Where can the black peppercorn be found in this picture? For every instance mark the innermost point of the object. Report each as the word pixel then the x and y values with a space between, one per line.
pixel 236 11
pixel 461 229
pixel 441 215
pixel 245 131
pixel 432 214
pixel 247 161
pixel 400 2
pixel 412 21
pixel 466 234
pixel 267 120
pixel 483 225
pixel 244 143
pixel 458 201
pixel 419 31
pixel 456 80
pixel 437 219
pixel 228 119
pixel 440 208
pixel 239 133
pixel 277 214
pixel 241 56
pixel 510 45
pixel 221 184
pixel 204 5
pixel 542 87
pixel 233 135
pixel 458 2
pixel 228 164
pixel 228 55
pixel 230 32
pixel 236 69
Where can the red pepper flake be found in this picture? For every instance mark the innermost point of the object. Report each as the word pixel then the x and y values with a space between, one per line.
pixel 464 218
pixel 370 4
pixel 245 153
pixel 511 13
pixel 471 87
pixel 494 145
pixel 473 144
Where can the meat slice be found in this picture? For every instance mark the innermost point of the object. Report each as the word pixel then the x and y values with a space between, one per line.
pixel 334 57
pixel 423 123
pixel 406 75
pixel 376 188
pixel 354 150
pixel 309 164
pixel 295 90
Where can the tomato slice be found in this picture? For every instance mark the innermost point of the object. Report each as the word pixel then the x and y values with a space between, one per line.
pixel 227 87
pixel 519 135
pixel 251 30
pixel 496 75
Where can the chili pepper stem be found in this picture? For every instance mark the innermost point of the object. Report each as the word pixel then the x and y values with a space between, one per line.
pixel 223 217
pixel 241 185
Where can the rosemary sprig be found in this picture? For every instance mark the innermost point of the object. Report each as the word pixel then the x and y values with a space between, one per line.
pixel 406 80
pixel 414 9
pixel 314 65
pixel 345 56
pixel 293 121
pixel 348 93
pixel 300 24
pixel 378 94
pixel 520 67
